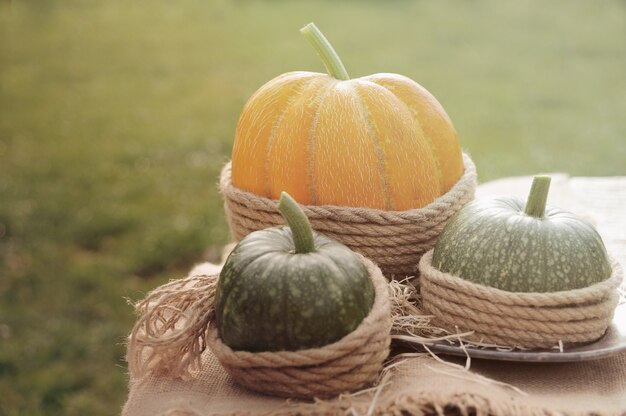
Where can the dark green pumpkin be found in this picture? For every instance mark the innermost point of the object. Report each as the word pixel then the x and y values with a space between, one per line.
pixel 522 247
pixel 288 290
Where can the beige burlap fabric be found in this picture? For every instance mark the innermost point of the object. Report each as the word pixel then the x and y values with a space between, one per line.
pixel 175 324
pixel 417 385
pixel 394 240
pixel 529 320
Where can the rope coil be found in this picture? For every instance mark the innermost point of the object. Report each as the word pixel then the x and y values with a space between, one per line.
pixel 394 240
pixel 529 320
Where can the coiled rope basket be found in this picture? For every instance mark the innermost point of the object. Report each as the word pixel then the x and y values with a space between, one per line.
pixel 353 362
pixel 516 319
pixel 394 240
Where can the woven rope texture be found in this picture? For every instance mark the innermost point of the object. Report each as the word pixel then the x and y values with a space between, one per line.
pixel 394 240
pixel 531 320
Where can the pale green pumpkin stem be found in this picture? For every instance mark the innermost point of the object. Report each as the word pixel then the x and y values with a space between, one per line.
pixel 298 222
pixel 331 60
pixel 536 204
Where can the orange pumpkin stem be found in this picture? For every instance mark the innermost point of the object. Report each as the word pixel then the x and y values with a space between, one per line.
pixel 325 50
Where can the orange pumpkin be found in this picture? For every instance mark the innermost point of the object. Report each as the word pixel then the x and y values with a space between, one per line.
pixel 380 141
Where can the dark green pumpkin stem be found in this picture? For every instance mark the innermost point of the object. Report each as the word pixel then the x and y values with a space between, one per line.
pixel 329 56
pixel 298 222
pixel 536 204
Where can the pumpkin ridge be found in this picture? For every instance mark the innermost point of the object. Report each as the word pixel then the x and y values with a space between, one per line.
pixel 380 155
pixel 229 281
pixel 232 302
pixel 277 269
pixel 339 303
pixel 589 231
pixel 530 242
pixel 541 241
pixel 284 306
pixel 275 127
pixel 227 290
pixel 428 140
pixel 343 266
pixel 285 78
pixel 310 145
pixel 251 138
pixel 260 257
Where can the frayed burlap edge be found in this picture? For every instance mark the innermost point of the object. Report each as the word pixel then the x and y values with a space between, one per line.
pixel 527 320
pixel 353 362
pixel 169 336
pixel 394 240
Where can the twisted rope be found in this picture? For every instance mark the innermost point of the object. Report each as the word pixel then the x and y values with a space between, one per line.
pixel 533 320
pixel 394 240
pixel 346 365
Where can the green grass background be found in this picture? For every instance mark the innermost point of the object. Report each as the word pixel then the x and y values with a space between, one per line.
pixel 116 117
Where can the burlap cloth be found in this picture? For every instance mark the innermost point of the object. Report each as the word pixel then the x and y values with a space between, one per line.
pixel 422 384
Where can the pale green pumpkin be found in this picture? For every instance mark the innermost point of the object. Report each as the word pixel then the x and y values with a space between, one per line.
pixel 522 247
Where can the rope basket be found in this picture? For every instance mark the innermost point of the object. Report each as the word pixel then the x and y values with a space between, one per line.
pixel 394 240
pixel 347 365
pixel 527 320
pixel 175 325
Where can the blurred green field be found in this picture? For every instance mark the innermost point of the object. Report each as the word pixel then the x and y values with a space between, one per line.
pixel 116 117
